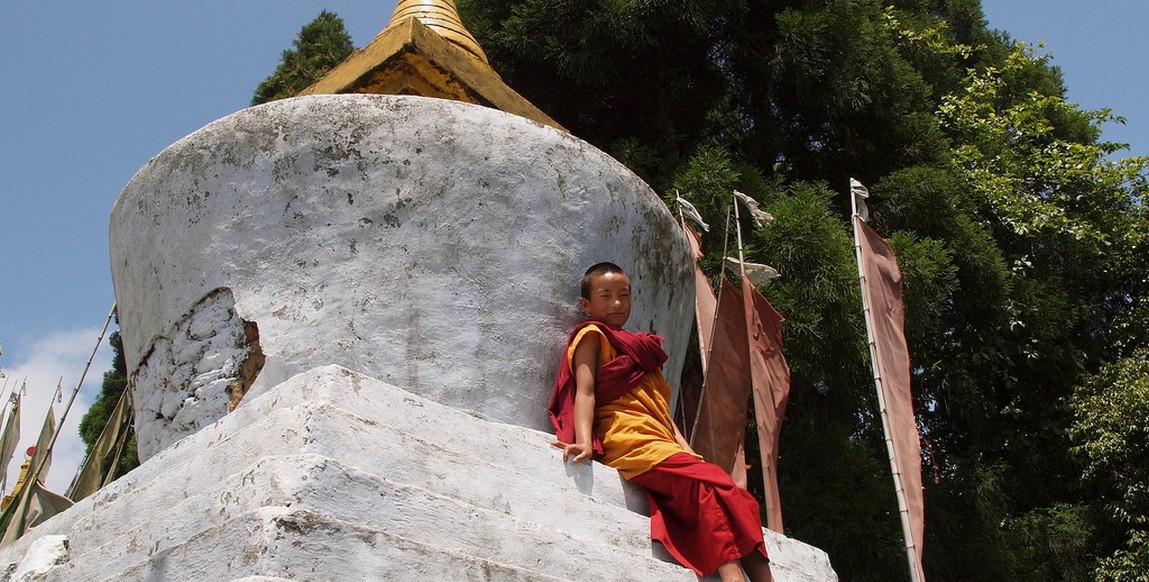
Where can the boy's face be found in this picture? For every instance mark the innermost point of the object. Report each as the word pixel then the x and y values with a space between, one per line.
pixel 609 299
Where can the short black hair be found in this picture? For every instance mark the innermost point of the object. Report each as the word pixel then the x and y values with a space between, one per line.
pixel 594 271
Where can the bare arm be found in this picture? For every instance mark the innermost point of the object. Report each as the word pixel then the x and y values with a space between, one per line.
pixel 584 364
pixel 682 442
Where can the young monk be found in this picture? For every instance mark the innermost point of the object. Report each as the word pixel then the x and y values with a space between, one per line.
pixel 611 402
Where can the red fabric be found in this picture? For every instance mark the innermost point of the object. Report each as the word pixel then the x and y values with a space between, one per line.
pixel 720 425
pixel 699 515
pixel 882 287
pixel 770 376
pixel 638 353
pixel 705 301
pixel 705 307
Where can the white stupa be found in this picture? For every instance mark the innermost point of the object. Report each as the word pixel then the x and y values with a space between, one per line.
pixel 341 316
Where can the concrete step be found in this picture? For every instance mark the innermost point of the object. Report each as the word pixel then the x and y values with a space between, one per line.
pixel 332 469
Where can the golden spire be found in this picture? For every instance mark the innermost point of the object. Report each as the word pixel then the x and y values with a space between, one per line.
pixel 425 50
pixel 442 17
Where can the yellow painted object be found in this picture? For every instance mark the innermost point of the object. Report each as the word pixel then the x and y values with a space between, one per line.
pixel 425 50
pixel 442 17
pixel 19 485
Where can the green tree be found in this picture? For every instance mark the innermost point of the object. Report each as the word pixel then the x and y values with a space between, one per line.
pixel 322 44
pixel 1112 439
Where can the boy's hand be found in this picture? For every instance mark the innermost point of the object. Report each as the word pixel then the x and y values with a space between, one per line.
pixel 581 452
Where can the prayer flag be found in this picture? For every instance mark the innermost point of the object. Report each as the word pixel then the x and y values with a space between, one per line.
pixel 34 505
pixel 761 217
pixel 882 291
pixel 860 194
pixel 690 212
pixel 43 446
pixel 770 378
pixel 705 301
pixel 705 306
pixel 91 476
pixel 720 425
pixel 10 439
pixel 758 273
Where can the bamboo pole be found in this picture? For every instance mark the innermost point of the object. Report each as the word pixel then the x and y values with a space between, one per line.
pixel 903 510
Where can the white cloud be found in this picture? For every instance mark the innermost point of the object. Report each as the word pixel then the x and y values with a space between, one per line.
pixel 57 358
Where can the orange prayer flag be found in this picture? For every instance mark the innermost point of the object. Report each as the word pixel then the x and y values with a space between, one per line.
pixel 705 305
pixel 705 301
pixel 882 289
pixel 721 423
pixel 770 378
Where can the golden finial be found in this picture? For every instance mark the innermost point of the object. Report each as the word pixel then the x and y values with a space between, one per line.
pixel 442 17
pixel 425 50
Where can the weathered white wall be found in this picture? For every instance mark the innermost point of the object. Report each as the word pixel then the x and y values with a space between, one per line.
pixel 189 372
pixel 429 243
pixel 337 476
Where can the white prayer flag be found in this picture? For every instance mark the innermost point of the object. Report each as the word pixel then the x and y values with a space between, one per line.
pixel 860 194
pixel 761 217
pixel 690 212
pixel 758 274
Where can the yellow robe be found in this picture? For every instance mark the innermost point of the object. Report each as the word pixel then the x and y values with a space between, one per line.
pixel 636 429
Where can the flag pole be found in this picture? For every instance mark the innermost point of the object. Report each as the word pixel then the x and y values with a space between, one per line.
pixel 83 374
pixel 34 472
pixel 738 228
pixel 903 509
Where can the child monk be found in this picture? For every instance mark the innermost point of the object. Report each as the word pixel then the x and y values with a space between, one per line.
pixel 611 402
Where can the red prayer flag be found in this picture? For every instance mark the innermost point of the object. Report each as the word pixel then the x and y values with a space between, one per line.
pixel 770 378
pixel 882 287
pixel 705 301
pixel 721 423
pixel 705 305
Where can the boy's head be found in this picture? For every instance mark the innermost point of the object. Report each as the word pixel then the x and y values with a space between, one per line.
pixel 606 294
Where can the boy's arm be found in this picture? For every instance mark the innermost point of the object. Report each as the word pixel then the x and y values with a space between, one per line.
pixel 584 364
pixel 682 442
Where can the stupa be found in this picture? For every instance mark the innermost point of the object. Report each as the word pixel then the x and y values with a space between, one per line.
pixel 341 315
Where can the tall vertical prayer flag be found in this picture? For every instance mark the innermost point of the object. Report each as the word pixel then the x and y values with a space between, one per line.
pixel 770 378
pixel 705 306
pixel 705 301
pixel 10 439
pixel 721 422
pixel 42 458
pixel 882 298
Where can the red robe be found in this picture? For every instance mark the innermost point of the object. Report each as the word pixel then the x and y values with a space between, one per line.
pixel 638 353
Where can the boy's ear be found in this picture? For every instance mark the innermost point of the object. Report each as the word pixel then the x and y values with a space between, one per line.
pixel 584 304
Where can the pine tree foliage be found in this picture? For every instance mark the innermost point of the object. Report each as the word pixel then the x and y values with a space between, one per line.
pixel 322 44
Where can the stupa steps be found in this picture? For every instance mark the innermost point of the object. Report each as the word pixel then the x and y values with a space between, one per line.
pixel 389 524
pixel 462 489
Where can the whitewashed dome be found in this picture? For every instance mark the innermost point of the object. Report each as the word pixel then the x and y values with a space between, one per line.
pixel 431 244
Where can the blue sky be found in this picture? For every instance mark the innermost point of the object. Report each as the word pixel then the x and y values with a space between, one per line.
pixel 89 91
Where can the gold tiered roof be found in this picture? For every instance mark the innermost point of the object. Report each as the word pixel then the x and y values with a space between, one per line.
pixel 442 17
pixel 425 50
